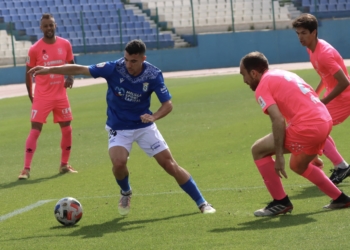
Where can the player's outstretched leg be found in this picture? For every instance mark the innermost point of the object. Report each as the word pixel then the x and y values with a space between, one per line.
pixel 190 187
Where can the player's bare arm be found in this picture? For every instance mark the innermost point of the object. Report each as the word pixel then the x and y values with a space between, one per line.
pixel 343 83
pixel 29 84
pixel 68 69
pixel 278 131
pixel 161 112
pixel 68 83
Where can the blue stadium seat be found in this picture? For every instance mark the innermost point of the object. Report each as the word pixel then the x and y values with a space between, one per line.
pixel 53 9
pixel 19 25
pixel 138 25
pixel 146 24
pixel 77 8
pixel 105 33
pixel 91 41
pixel 322 8
pixel 104 26
pixel 34 4
pixel 342 1
pixel 62 9
pixel 347 6
pixel 92 2
pixel 332 7
pixel 58 2
pixel 9 4
pixel 83 2
pixel 59 22
pixel 101 40
pixel 14 18
pixel 96 33
pixel 73 15
pixel 113 26
pixel 96 13
pixel 88 33
pixel 13 12
pixel 340 7
pixel 4 12
pixel 45 9
pixel 18 4
pixel 102 7
pixel 67 22
pixel 109 40
pixel 93 27
pixel 130 32
pixel 21 11
pixel 66 2
pixel 63 15
pixel 86 8
pixel 70 29
pixel 75 2
pixel 323 2
pixel 2 5
pixel 23 18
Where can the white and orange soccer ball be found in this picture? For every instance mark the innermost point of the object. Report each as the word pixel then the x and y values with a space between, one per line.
pixel 68 211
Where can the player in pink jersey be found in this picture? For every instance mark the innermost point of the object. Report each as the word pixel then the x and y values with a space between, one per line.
pixel 300 126
pixel 49 93
pixel 335 78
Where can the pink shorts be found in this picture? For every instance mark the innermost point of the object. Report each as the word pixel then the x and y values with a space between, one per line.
pixel 307 139
pixel 339 110
pixel 42 108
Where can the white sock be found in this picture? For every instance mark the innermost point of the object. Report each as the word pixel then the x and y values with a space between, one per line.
pixel 342 165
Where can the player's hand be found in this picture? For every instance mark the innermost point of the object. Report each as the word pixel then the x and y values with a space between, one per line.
pixel 68 83
pixel 39 70
pixel 279 167
pixel 147 118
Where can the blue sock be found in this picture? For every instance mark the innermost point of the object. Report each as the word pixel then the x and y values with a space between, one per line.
pixel 190 187
pixel 124 184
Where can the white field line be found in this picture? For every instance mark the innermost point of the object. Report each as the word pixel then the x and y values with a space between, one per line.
pixel 42 202
pixel 25 209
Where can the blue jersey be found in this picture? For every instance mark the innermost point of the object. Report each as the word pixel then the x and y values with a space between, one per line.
pixel 129 97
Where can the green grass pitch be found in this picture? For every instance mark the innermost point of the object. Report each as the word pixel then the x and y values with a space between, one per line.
pixel 210 131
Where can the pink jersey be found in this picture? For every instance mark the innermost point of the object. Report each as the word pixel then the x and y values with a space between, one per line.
pixel 50 87
pixel 296 100
pixel 327 61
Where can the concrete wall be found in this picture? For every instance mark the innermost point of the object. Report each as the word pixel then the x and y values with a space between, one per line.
pixel 223 50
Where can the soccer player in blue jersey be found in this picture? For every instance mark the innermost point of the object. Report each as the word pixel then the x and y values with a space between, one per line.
pixel 131 81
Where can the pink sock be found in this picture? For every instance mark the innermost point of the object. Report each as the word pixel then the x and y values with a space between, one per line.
pixel 318 177
pixel 331 152
pixel 66 144
pixel 30 147
pixel 266 167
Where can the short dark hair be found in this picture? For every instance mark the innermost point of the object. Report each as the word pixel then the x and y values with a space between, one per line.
pixel 136 46
pixel 306 21
pixel 255 61
pixel 47 16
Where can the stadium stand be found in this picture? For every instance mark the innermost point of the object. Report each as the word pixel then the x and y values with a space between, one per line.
pixel 100 24
pixel 325 8
pixel 215 15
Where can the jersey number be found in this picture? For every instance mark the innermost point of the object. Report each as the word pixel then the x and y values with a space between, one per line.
pixel 34 112
pixel 302 86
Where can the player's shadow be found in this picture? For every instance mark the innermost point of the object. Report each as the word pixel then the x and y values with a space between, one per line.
pixel 28 181
pixel 279 221
pixel 312 192
pixel 118 224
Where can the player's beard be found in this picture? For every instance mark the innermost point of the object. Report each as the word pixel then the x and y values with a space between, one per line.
pixel 49 36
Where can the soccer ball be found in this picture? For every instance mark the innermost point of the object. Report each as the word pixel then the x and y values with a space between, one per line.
pixel 68 211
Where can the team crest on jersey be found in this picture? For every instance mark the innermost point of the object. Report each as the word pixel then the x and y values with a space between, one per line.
pixel 261 102
pixel 100 65
pixel 121 80
pixel 45 56
pixel 119 91
pixel 145 86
